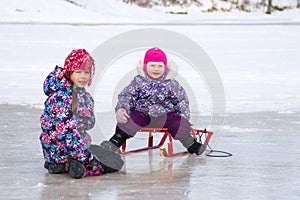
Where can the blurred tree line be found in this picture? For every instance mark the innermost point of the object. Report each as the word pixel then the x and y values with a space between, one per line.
pixel 223 5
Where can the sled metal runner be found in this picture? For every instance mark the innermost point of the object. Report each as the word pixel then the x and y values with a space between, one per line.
pixel 169 152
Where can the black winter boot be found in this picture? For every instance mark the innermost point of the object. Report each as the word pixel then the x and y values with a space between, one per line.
pixel 110 160
pixel 108 145
pixel 54 168
pixel 108 169
pixel 76 169
pixel 192 145
pixel 116 140
pixel 197 148
pixel 119 137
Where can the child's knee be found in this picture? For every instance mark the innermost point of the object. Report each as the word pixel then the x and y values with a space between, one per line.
pixel 140 118
pixel 178 126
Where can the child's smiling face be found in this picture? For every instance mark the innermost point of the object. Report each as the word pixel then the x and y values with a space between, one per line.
pixel 155 70
pixel 80 78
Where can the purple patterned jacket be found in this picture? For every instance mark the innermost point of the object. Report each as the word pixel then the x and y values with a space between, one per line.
pixel 155 97
pixel 64 134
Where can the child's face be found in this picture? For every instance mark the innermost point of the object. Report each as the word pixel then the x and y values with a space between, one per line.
pixel 80 78
pixel 155 69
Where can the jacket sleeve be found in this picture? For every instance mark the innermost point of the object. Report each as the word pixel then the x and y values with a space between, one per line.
pixel 85 113
pixel 181 104
pixel 52 83
pixel 128 96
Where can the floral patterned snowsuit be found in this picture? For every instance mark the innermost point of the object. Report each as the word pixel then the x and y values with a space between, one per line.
pixel 64 134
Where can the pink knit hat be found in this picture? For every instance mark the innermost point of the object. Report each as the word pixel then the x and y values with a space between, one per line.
pixel 78 59
pixel 155 55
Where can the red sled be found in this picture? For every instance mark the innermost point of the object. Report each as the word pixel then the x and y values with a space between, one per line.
pixel 169 152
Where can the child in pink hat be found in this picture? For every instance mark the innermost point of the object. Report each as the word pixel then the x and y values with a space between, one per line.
pixel 68 115
pixel 154 99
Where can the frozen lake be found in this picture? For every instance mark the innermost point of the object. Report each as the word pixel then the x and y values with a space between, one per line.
pixel 259 67
pixel 265 164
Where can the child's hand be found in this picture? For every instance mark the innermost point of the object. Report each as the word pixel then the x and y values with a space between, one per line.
pixel 122 116
pixel 61 72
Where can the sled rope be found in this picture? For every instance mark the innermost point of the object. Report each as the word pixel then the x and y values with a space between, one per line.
pixel 215 153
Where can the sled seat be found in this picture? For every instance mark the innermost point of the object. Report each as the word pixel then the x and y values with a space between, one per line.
pixel 196 133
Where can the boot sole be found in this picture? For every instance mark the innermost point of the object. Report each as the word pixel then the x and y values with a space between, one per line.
pixel 106 157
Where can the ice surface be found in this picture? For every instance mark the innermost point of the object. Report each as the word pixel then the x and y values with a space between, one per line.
pixel 256 55
pixel 265 164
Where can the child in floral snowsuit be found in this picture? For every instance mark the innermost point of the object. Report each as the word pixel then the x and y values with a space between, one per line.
pixel 154 99
pixel 68 114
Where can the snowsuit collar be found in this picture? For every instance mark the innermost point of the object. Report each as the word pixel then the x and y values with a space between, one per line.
pixel 79 90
